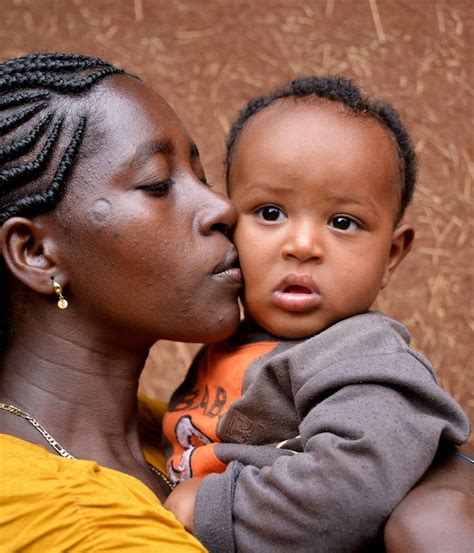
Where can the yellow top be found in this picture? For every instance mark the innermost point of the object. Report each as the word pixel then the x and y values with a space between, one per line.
pixel 51 504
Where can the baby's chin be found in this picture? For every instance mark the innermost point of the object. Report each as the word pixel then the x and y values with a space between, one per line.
pixel 287 327
pixel 292 335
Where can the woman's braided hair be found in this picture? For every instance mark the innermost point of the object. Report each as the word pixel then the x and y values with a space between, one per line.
pixel 32 127
pixel 341 90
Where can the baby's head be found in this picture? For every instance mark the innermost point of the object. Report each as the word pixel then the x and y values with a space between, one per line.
pixel 321 177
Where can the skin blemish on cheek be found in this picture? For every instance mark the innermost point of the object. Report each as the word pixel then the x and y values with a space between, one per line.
pixel 101 212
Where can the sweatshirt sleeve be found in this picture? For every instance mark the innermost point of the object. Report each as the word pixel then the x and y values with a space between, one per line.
pixel 370 428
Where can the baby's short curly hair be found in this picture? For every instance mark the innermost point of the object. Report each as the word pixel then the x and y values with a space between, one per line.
pixel 341 90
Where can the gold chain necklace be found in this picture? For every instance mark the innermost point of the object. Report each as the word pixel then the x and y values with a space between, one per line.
pixel 57 447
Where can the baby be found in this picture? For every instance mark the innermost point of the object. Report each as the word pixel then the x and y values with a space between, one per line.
pixel 316 418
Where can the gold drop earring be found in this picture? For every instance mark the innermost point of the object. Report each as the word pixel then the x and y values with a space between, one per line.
pixel 62 301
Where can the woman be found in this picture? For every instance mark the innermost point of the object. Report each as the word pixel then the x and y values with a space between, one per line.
pixel 103 203
pixel 110 240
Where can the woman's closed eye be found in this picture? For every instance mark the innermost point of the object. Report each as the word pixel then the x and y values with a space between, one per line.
pixel 158 189
pixel 344 223
pixel 271 213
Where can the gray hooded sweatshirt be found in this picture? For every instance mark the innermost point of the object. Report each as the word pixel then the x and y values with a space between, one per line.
pixel 361 416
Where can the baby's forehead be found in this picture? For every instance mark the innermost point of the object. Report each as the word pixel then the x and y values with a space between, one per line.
pixel 288 113
pixel 317 141
pixel 292 130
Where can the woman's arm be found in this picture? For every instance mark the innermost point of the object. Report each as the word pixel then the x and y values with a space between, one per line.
pixel 438 514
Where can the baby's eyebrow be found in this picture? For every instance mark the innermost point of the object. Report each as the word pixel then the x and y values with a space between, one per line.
pixel 364 201
pixel 271 189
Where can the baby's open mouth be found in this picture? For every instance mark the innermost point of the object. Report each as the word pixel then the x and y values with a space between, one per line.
pixel 297 293
pixel 296 289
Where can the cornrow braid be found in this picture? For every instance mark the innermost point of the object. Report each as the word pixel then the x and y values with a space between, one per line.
pixel 341 90
pixel 58 84
pixel 10 123
pixel 45 76
pixel 61 62
pixel 51 56
pixel 33 126
pixel 23 145
pixel 15 176
pixel 23 98
pixel 38 203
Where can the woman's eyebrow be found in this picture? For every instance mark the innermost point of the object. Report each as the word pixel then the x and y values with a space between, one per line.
pixel 161 147
pixel 153 147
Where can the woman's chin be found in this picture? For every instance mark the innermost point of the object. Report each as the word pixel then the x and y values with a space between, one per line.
pixel 222 328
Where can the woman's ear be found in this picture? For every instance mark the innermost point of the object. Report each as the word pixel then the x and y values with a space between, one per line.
pixel 29 254
pixel 402 241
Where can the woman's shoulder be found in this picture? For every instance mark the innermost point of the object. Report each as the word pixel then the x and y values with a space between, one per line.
pixel 78 505
pixel 43 470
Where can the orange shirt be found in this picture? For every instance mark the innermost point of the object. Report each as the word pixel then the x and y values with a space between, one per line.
pixel 190 424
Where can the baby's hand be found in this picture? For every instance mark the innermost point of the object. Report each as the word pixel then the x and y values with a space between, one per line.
pixel 181 502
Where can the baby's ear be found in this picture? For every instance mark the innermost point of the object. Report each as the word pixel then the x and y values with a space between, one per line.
pixel 402 241
pixel 29 253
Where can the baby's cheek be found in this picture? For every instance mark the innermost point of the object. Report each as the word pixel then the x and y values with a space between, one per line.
pixel 253 301
pixel 363 287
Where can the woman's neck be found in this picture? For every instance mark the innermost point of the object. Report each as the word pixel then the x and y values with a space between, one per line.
pixel 82 393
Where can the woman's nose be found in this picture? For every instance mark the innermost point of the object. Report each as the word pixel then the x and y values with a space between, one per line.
pixel 219 215
pixel 304 243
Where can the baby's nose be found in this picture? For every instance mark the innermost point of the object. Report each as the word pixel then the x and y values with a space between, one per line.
pixel 304 244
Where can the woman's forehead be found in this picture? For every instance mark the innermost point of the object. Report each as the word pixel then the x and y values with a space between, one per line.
pixel 134 119
pixel 125 102
pixel 128 125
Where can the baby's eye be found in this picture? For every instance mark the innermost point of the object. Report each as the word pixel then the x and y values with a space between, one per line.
pixel 271 213
pixel 343 222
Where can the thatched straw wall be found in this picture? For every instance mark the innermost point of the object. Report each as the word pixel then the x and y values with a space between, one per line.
pixel 207 57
